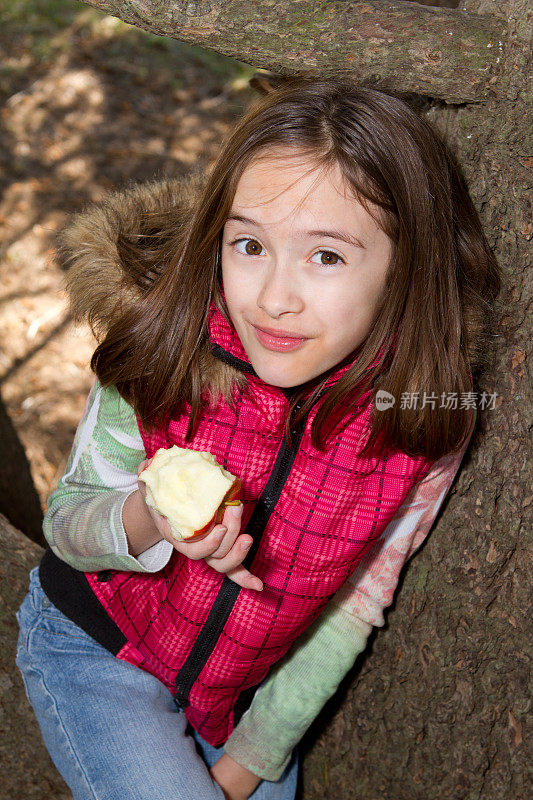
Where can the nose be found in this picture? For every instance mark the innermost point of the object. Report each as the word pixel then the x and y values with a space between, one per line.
pixel 279 293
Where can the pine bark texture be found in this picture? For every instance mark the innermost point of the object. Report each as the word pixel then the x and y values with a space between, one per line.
pixel 438 707
pixel 19 500
pixel 441 52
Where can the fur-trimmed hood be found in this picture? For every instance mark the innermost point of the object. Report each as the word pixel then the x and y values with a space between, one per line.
pixel 95 278
pixel 97 284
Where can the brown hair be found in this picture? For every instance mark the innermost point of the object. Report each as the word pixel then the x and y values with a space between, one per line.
pixel 434 323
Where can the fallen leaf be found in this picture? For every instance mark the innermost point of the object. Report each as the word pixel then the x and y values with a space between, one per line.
pixel 492 553
pixel 516 728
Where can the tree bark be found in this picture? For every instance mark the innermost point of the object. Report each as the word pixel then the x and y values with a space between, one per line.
pixel 19 500
pixel 441 52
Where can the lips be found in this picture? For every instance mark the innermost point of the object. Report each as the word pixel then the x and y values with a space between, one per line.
pixel 278 340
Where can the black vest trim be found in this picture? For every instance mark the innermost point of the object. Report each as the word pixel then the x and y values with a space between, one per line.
pixel 227 358
pixel 70 591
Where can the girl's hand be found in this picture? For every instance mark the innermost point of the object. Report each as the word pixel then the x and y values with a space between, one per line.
pixel 236 782
pixel 222 546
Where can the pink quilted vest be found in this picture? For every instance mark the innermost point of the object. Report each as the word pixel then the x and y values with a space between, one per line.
pixel 312 516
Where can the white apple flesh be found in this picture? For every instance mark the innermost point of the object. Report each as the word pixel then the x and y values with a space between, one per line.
pixel 189 488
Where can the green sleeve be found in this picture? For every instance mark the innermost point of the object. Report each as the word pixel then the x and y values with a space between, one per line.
pixel 300 684
pixel 296 689
pixel 83 524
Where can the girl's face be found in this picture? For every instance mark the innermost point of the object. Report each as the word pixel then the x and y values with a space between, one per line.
pixel 303 268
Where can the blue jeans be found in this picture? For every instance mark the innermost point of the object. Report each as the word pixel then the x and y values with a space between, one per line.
pixel 112 729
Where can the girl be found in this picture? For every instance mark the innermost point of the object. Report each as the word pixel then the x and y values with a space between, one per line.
pixel 333 259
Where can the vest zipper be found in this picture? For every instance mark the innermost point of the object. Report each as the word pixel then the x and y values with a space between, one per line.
pixel 229 591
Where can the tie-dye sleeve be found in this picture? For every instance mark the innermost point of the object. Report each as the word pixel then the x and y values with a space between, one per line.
pixel 83 523
pixel 370 588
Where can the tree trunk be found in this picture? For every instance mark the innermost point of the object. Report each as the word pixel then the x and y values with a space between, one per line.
pixel 19 500
pixel 437 709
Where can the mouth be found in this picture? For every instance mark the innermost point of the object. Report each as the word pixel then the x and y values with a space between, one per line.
pixel 278 340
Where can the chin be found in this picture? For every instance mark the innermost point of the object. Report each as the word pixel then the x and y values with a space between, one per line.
pixel 280 379
pixel 274 380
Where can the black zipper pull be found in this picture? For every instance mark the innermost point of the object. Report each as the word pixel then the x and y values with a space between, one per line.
pixel 180 699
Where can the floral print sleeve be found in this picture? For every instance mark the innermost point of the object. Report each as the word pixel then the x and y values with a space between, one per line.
pixel 83 524
pixel 370 588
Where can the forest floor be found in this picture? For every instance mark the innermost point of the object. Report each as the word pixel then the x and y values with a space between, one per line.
pixel 87 104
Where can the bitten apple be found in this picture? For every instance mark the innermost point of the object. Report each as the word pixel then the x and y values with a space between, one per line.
pixel 190 489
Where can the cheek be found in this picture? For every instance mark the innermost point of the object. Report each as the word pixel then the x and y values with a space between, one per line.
pixel 239 302
pixel 353 315
pixel 229 285
pixel 349 306
pixel 236 294
pixel 240 289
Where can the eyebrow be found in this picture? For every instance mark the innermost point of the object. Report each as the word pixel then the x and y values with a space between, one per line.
pixel 321 234
pixel 340 235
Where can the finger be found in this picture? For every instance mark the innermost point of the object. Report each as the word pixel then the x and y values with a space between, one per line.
pixel 232 515
pixel 232 521
pixel 218 541
pixel 242 577
pixel 226 542
pixel 204 545
pixel 235 556
pixel 141 484
pixel 143 465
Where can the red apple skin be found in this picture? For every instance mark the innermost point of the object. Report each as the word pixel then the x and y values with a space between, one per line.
pixel 230 498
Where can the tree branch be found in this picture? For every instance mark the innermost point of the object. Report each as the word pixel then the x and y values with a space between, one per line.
pixel 448 54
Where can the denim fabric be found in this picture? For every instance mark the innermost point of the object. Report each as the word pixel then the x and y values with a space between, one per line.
pixel 112 729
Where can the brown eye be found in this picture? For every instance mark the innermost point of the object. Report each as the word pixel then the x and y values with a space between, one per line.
pixel 252 248
pixel 329 258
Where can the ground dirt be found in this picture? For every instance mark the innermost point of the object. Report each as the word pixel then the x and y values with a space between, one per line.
pixel 89 104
